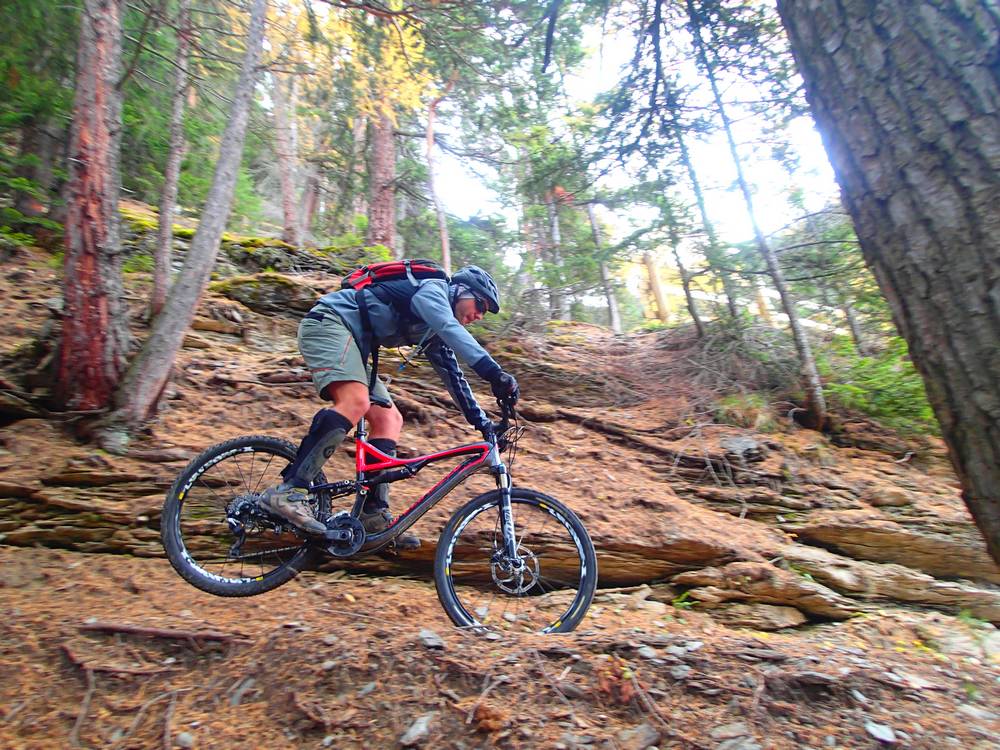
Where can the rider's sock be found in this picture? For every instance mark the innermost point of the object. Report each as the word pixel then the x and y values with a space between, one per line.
pixel 326 433
pixel 378 499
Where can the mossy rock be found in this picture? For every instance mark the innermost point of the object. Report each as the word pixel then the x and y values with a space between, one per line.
pixel 268 292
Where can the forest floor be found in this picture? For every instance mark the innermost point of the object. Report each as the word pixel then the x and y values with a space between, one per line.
pixel 115 650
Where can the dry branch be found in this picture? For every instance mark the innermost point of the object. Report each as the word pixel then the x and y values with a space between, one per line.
pixel 180 635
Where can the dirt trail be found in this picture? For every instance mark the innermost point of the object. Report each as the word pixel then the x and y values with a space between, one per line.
pixel 802 591
pixel 348 658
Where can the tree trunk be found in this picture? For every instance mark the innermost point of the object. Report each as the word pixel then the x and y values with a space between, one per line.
pixel 763 308
pixel 171 175
pixel 147 377
pixel 285 151
pixel 815 401
pixel 851 316
pixel 442 217
pixel 675 242
pixel 907 99
pixel 557 299
pixel 359 131
pixel 382 206
pixel 713 252
pixel 310 202
pixel 29 160
pixel 95 326
pixel 654 285
pixel 614 315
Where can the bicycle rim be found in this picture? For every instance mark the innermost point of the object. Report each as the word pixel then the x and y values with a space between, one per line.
pixel 233 474
pixel 552 590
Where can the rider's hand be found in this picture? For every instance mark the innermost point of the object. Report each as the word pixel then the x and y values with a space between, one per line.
pixel 491 431
pixel 505 387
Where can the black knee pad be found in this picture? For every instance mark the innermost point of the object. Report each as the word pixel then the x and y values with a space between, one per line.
pixel 326 421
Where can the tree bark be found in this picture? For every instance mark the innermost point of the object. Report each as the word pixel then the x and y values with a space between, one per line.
pixel 95 330
pixel 285 151
pixel 310 202
pixel 172 172
pixel 614 315
pixel 815 401
pixel 653 272
pixel 382 205
pixel 140 392
pixel 906 97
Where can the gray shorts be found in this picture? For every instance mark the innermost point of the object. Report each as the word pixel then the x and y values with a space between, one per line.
pixel 332 356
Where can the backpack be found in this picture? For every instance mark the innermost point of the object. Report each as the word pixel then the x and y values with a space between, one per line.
pixel 374 273
pixel 368 277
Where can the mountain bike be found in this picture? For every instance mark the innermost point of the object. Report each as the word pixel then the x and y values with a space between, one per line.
pixel 509 559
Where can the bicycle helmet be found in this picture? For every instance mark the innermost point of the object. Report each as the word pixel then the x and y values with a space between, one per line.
pixel 481 284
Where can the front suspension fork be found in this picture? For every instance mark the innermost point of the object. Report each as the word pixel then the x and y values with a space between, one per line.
pixel 507 516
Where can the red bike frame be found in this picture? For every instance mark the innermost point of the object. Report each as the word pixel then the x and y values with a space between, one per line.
pixel 368 458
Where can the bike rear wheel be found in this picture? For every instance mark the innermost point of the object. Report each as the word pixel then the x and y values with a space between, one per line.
pixel 552 590
pixel 219 489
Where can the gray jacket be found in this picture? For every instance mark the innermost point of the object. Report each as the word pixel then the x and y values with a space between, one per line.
pixel 411 314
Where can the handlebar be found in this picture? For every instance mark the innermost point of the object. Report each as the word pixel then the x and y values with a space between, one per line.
pixel 507 413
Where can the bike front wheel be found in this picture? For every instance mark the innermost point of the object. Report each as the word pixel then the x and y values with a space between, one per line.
pixel 547 588
pixel 212 530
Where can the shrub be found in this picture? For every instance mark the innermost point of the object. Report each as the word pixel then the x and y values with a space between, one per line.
pixel 750 410
pixel 884 386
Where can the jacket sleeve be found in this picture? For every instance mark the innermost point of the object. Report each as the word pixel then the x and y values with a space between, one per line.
pixel 442 359
pixel 430 304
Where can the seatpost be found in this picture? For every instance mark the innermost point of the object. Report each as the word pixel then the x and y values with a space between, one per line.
pixel 361 432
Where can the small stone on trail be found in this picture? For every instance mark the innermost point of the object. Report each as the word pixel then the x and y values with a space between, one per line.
pixel 418 730
pixel 370 687
pixel 648 652
pixel 680 672
pixel 859 697
pixel 185 740
pixel 881 732
pixel 330 639
pixel 977 713
pixel 430 639
pixel 328 665
pixel 739 743
pixel 491 636
pixel 638 738
pixel 730 731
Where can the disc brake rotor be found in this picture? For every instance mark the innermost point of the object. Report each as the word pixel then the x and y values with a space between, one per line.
pixel 514 579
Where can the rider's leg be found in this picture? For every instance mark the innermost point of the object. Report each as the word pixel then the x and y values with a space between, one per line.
pixel 328 429
pixel 385 424
pixel 326 433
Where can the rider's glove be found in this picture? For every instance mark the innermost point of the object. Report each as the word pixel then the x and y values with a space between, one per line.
pixel 505 386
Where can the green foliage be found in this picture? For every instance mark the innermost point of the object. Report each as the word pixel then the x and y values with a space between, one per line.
pixel 17 238
pixel 749 410
pixel 884 386
pixel 970 620
pixel 683 601
pixel 138 263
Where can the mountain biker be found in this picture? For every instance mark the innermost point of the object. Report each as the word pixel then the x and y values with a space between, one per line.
pixel 334 342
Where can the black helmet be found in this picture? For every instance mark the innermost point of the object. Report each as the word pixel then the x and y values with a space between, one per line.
pixel 481 284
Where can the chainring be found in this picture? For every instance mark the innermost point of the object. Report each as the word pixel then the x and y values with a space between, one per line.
pixel 345 522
